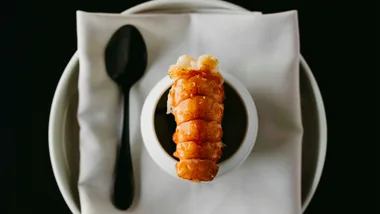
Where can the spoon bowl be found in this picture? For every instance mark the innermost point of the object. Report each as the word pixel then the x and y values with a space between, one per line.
pixel 126 56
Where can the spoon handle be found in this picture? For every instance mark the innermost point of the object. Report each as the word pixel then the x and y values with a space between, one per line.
pixel 124 178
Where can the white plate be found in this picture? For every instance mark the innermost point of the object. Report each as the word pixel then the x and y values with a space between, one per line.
pixel 64 130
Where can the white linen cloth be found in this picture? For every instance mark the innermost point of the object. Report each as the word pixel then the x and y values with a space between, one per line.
pixel 261 50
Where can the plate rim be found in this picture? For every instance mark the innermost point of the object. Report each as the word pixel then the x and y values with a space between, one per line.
pixel 74 62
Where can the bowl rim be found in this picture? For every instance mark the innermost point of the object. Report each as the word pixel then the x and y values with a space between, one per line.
pixel 164 160
pixel 57 113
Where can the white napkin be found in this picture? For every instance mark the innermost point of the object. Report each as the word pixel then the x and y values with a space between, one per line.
pixel 262 50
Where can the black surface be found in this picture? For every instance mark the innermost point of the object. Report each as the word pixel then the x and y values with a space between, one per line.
pixel 337 39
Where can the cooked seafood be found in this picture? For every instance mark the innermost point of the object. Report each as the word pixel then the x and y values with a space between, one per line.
pixel 198 130
pixel 199 150
pixel 196 101
pixel 197 169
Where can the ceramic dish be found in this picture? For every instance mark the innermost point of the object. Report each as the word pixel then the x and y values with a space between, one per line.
pixel 64 130
pixel 165 160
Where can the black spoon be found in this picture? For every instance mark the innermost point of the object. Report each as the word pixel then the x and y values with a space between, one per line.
pixel 125 59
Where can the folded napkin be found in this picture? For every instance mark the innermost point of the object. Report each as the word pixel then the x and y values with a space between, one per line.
pixel 262 50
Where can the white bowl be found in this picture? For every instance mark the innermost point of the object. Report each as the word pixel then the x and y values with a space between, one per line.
pixel 165 160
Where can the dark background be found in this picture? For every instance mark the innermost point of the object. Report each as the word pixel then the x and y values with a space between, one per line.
pixel 337 40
